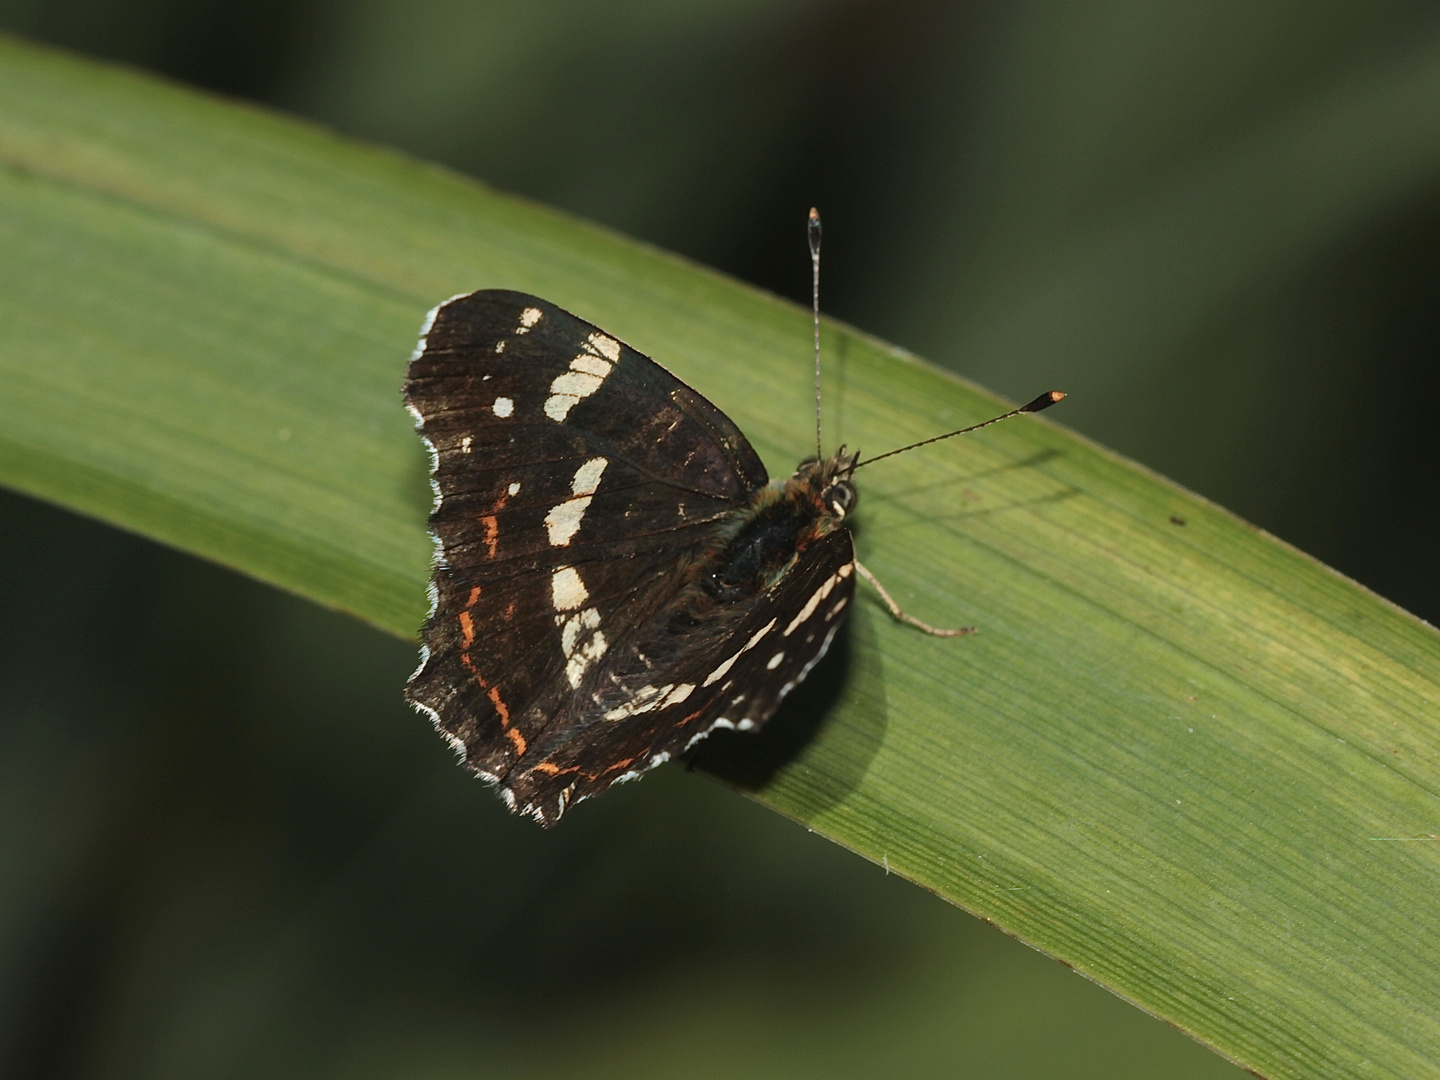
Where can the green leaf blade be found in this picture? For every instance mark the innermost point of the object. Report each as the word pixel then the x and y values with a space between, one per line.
pixel 1183 758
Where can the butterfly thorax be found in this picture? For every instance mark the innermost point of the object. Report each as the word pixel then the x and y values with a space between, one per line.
pixel 782 520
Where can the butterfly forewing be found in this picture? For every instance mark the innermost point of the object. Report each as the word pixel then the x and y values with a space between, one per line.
pixel 573 478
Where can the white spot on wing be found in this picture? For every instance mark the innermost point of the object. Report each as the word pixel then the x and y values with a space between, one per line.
pixel 590 365
pixel 587 477
pixel 567 591
pixel 528 318
pixel 774 661
pixel 573 626
pixel 513 489
pixel 719 672
pixel 582 642
pixel 465 444
pixel 650 698
pixel 580 638
pixel 558 406
pixel 563 520
pixel 818 597
pixel 679 694
pixel 643 701
pixel 587 372
pixel 503 406
pixel 567 390
pixel 607 347
pixel 758 635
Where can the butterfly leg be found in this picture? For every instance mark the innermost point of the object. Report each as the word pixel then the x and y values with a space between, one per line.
pixel 899 615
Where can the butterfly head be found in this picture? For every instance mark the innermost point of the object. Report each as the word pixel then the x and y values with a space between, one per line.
pixel 829 483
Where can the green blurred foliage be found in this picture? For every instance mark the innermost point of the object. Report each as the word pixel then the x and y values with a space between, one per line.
pixel 228 849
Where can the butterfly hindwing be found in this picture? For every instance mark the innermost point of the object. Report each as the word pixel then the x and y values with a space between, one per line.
pixel 734 680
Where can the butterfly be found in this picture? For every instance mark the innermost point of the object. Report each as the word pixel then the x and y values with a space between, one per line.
pixel 616 576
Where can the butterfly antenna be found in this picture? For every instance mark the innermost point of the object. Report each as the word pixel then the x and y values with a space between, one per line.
pixel 1044 401
pixel 815 307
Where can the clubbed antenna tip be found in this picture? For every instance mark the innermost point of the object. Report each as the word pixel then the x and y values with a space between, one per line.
pixel 1044 401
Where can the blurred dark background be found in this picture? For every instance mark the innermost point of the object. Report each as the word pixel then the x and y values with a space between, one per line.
pixel 228 850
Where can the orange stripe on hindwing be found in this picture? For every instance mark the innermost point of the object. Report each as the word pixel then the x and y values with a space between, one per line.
pixel 500 707
pixel 491 522
pixel 549 768
pixel 467 626
pixel 467 630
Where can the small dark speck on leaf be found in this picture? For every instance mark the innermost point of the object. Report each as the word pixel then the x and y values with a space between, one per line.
pixel 1176 520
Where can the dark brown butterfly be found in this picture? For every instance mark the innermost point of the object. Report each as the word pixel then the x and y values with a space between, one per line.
pixel 616 576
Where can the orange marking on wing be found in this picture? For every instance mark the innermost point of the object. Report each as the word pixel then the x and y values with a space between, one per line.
pixel 474 596
pixel 517 739
pixel 510 611
pixel 491 692
pixel 551 769
pixel 500 707
pixel 492 532
pixel 619 765
pixel 467 630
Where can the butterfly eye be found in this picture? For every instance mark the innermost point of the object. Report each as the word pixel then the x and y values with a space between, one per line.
pixel 840 498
